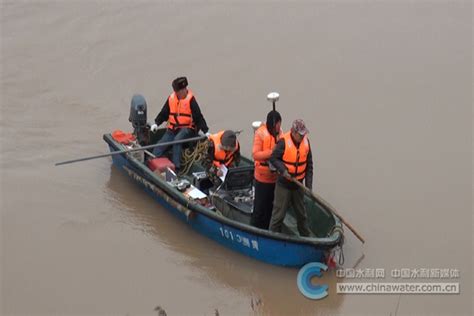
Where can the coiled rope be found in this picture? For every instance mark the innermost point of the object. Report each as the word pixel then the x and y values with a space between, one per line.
pixel 191 155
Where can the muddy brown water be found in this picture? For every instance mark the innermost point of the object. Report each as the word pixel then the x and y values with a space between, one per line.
pixel 385 89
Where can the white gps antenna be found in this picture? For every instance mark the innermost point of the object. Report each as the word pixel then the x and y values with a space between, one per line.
pixel 273 97
pixel 256 125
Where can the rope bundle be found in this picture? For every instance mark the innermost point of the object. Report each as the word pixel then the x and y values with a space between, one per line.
pixel 191 155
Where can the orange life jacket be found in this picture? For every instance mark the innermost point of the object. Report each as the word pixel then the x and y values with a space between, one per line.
pixel 262 171
pixel 220 156
pixel 295 157
pixel 180 111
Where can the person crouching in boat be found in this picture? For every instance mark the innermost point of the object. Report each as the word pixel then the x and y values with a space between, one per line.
pixel 184 117
pixel 223 150
pixel 292 158
pixel 264 141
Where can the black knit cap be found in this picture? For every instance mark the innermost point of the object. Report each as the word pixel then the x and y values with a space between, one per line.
pixel 229 139
pixel 273 117
pixel 179 83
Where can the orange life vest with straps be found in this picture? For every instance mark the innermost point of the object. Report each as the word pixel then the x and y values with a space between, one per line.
pixel 295 157
pixel 180 111
pixel 262 171
pixel 220 156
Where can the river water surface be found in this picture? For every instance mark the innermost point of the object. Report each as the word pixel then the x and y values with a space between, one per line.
pixel 384 87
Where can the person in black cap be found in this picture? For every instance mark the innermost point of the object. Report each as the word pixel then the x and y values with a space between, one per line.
pixel 184 118
pixel 223 149
pixel 265 139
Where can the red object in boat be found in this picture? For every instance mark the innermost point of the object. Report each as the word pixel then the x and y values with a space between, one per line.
pixel 331 262
pixel 160 164
pixel 122 137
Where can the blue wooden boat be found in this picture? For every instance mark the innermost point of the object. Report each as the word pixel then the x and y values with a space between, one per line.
pixel 226 218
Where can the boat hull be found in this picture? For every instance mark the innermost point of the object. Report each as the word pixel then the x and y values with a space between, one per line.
pixel 263 247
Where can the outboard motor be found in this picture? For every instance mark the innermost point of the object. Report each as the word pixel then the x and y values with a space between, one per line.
pixel 138 119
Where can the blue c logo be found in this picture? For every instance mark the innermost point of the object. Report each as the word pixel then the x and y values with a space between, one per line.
pixel 303 280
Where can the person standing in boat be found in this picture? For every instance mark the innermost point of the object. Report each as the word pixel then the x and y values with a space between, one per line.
pixel 184 117
pixel 223 150
pixel 265 139
pixel 292 158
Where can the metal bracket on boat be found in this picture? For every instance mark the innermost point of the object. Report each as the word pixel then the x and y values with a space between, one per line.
pixel 338 251
pixel 190 215
pixel 160 192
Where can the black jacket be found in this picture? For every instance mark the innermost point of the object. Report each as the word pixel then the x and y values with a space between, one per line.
pixel 277 161
pixel 198 118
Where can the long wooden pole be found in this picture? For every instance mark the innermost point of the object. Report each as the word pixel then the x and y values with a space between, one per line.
pixel 131 150
pixel 328 206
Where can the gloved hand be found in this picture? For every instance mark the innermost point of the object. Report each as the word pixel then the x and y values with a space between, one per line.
pixel 154 128
pixel 286 175
pixel 201 133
